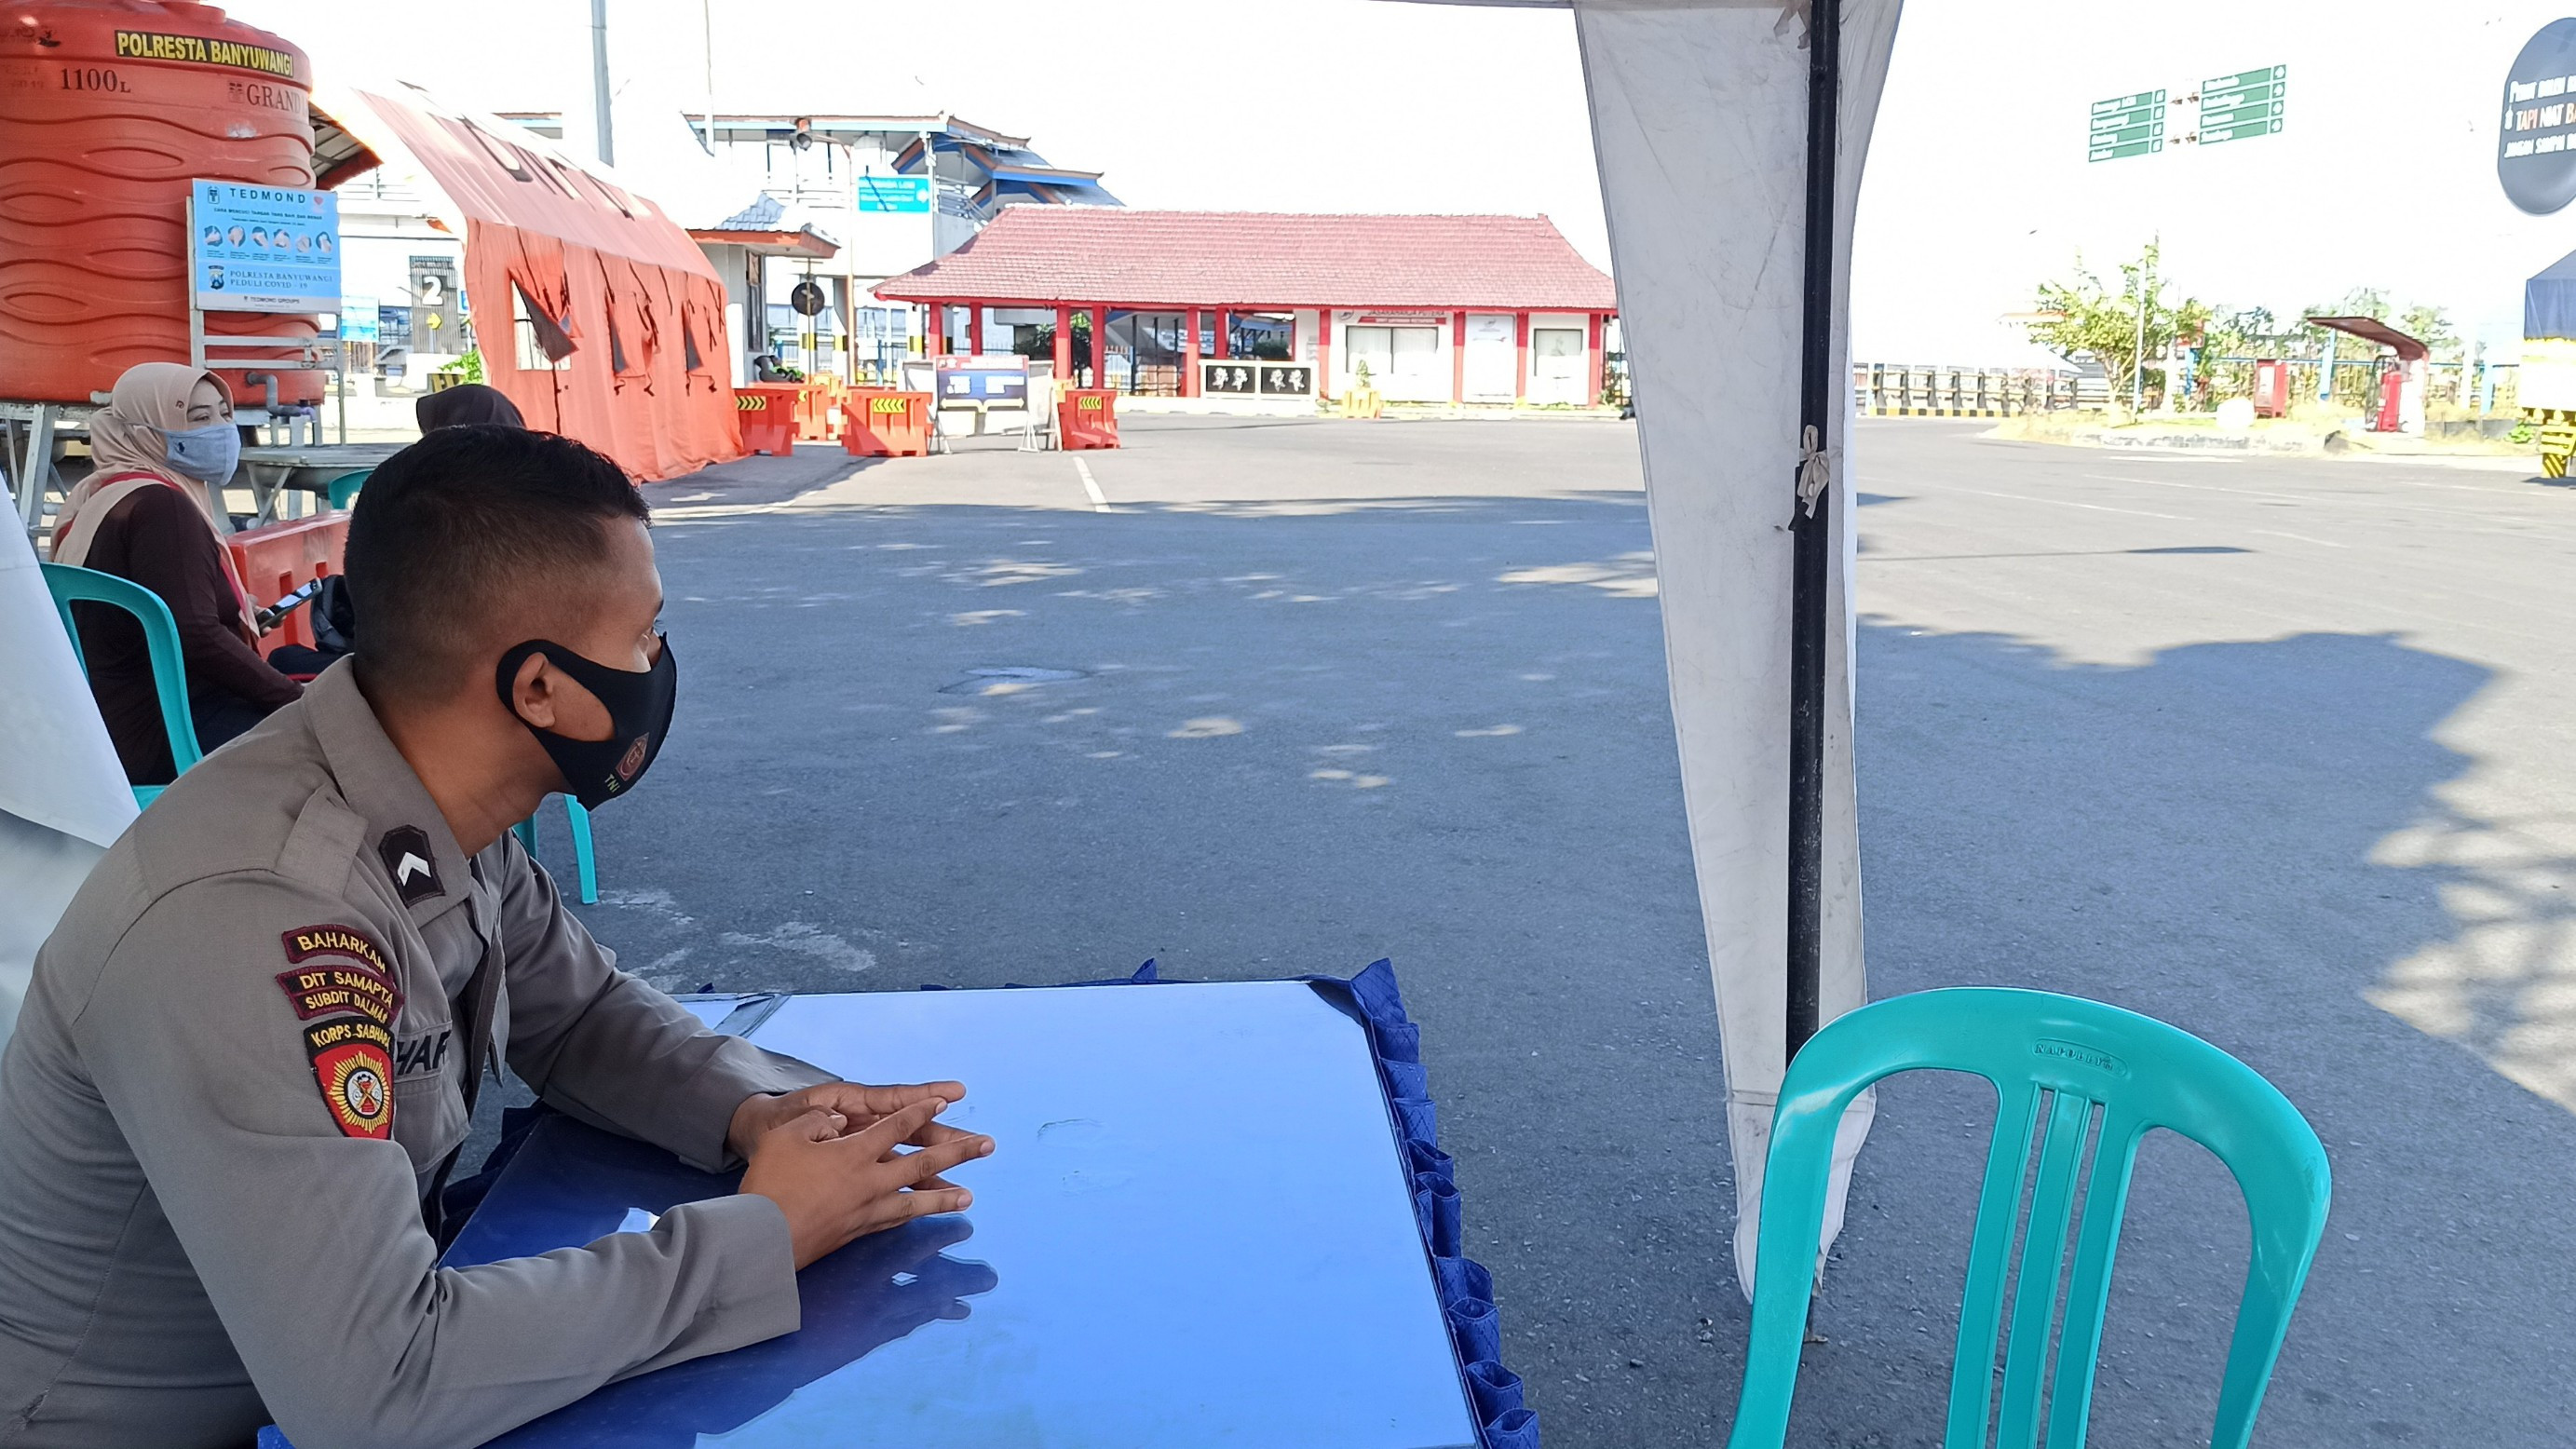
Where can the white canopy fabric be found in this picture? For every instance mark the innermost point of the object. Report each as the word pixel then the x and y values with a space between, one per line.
pixel 1699 117
pixel 63 796
pixel 1699 120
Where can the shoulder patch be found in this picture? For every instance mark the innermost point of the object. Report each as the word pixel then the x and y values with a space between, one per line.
pixel 412 864
pixel 353 1064
pixel 334 988
pixel 306 942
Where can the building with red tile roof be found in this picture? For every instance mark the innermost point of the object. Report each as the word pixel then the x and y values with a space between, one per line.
pixel 1497 309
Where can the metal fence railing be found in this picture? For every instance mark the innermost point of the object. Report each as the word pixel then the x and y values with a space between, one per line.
pixel 1884 389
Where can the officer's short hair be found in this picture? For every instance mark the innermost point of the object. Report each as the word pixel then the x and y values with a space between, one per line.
pixel 461 528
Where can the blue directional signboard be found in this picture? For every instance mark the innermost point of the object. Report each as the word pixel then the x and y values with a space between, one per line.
pixel 2242 106
pixel 263 248
pixel 909 194
pixel 2130 125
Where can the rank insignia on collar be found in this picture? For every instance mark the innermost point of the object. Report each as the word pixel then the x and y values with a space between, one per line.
pixel 353 1064
pixel 412 864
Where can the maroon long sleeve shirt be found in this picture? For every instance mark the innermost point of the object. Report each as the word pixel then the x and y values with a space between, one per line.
pixel 157 538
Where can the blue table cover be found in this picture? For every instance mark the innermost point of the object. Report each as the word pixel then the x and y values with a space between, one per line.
pixel 1217 1215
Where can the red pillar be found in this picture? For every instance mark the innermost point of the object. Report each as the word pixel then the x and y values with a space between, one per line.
pixel 975 330
pixel 1063 343
pixel 935 343
pixel 1323 352
pixel 1520 356
pixel 1458 357
pixel 1190 352
pixel 1100 345
pixel 1594 361
pixel 1224 333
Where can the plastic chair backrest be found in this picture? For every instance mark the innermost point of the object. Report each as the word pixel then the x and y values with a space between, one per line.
pixel 71 585
pixel 344 489
pixel 2063 1059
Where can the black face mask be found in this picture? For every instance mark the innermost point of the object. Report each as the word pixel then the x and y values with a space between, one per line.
pixel 639 716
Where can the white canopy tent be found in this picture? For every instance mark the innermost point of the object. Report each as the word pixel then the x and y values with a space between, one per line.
pixel 63 796
pixel 1738 343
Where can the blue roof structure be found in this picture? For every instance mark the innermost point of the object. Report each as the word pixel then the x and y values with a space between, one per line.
pixel 2549 300
pixel 1012 174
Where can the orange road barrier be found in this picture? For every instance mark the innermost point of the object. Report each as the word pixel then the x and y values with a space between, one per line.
pixel 276 559
pixel 768 417
pixel 879 422
pixel 818 409
pixel 1087 418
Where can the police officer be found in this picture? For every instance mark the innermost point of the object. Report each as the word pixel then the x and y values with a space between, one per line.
pixel 251 1048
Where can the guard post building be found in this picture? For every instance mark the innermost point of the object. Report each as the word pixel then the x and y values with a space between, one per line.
pixel 1437 309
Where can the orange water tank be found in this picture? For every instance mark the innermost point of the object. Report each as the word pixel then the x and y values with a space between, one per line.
pixel 107 109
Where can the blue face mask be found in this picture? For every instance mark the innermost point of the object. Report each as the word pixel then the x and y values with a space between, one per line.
pixel 208 454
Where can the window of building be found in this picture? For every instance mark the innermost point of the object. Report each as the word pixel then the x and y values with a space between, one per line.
pixel 542 343
pixel 1402 361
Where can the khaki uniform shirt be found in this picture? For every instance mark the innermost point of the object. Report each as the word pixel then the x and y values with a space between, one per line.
pixel 236 1074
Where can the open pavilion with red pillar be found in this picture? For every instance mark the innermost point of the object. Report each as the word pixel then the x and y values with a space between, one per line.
pixel 1439 309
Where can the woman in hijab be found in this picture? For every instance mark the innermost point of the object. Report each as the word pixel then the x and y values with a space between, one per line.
pixel 143 514
pixel 468 402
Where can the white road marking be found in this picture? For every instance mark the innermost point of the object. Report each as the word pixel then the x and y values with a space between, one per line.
pixel 1091 485
pixel 2301 537
pixel 2071 503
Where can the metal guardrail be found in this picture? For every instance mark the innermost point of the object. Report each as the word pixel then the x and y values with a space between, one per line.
pixel 1884 389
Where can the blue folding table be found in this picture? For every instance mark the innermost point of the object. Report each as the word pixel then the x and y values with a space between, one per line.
pixel 1215 1216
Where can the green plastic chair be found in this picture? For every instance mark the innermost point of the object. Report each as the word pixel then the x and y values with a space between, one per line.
pixel 71 585
pixel 343 490
pixel 582 860
pixel 2059 1058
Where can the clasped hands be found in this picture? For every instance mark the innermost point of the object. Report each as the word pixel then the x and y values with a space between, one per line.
pixel 832 1157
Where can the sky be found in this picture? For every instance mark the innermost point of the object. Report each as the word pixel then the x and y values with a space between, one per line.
pixel 1976 188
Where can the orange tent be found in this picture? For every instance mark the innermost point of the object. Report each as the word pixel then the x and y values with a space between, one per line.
pixel 594 311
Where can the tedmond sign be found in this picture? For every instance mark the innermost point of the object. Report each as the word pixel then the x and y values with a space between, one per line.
pixel 2536 141
pixel 263 248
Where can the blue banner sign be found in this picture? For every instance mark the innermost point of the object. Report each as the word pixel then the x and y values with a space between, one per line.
pixel 894 193
pixel 263 248
pixel 982 381
pixel 358 320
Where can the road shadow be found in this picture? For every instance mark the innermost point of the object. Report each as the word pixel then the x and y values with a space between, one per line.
pixel 1437 729
pixel 757 481
pixel 2203 839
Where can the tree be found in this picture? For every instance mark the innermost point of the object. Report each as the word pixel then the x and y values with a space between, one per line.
pixel 2429 325
pixel 2080 317
pixel 2371 302
pixel 2422 321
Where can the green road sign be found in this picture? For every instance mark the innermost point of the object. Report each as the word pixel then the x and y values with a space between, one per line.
pixel 2247 80
pixel 2127 135
pixel 2132 148
pixel 2215 120
pixel 2242 106
pixel 2241 133
pixel 2130 125
pixel 2130 102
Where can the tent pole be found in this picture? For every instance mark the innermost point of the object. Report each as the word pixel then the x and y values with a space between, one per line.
pixel 1811 535
pixel 599 91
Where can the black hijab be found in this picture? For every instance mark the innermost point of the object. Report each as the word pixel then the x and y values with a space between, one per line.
pixel 467 402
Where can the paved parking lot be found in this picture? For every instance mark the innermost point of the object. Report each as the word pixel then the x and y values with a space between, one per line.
pixel 2273 749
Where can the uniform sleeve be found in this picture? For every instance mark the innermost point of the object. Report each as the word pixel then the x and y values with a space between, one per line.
pixel 604 1047
pixel 305 1227
pixel 169 551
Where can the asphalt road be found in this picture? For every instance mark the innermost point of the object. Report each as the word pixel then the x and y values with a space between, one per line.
pixel 2271 749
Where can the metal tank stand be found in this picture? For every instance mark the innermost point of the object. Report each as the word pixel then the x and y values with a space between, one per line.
pixel 29 442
